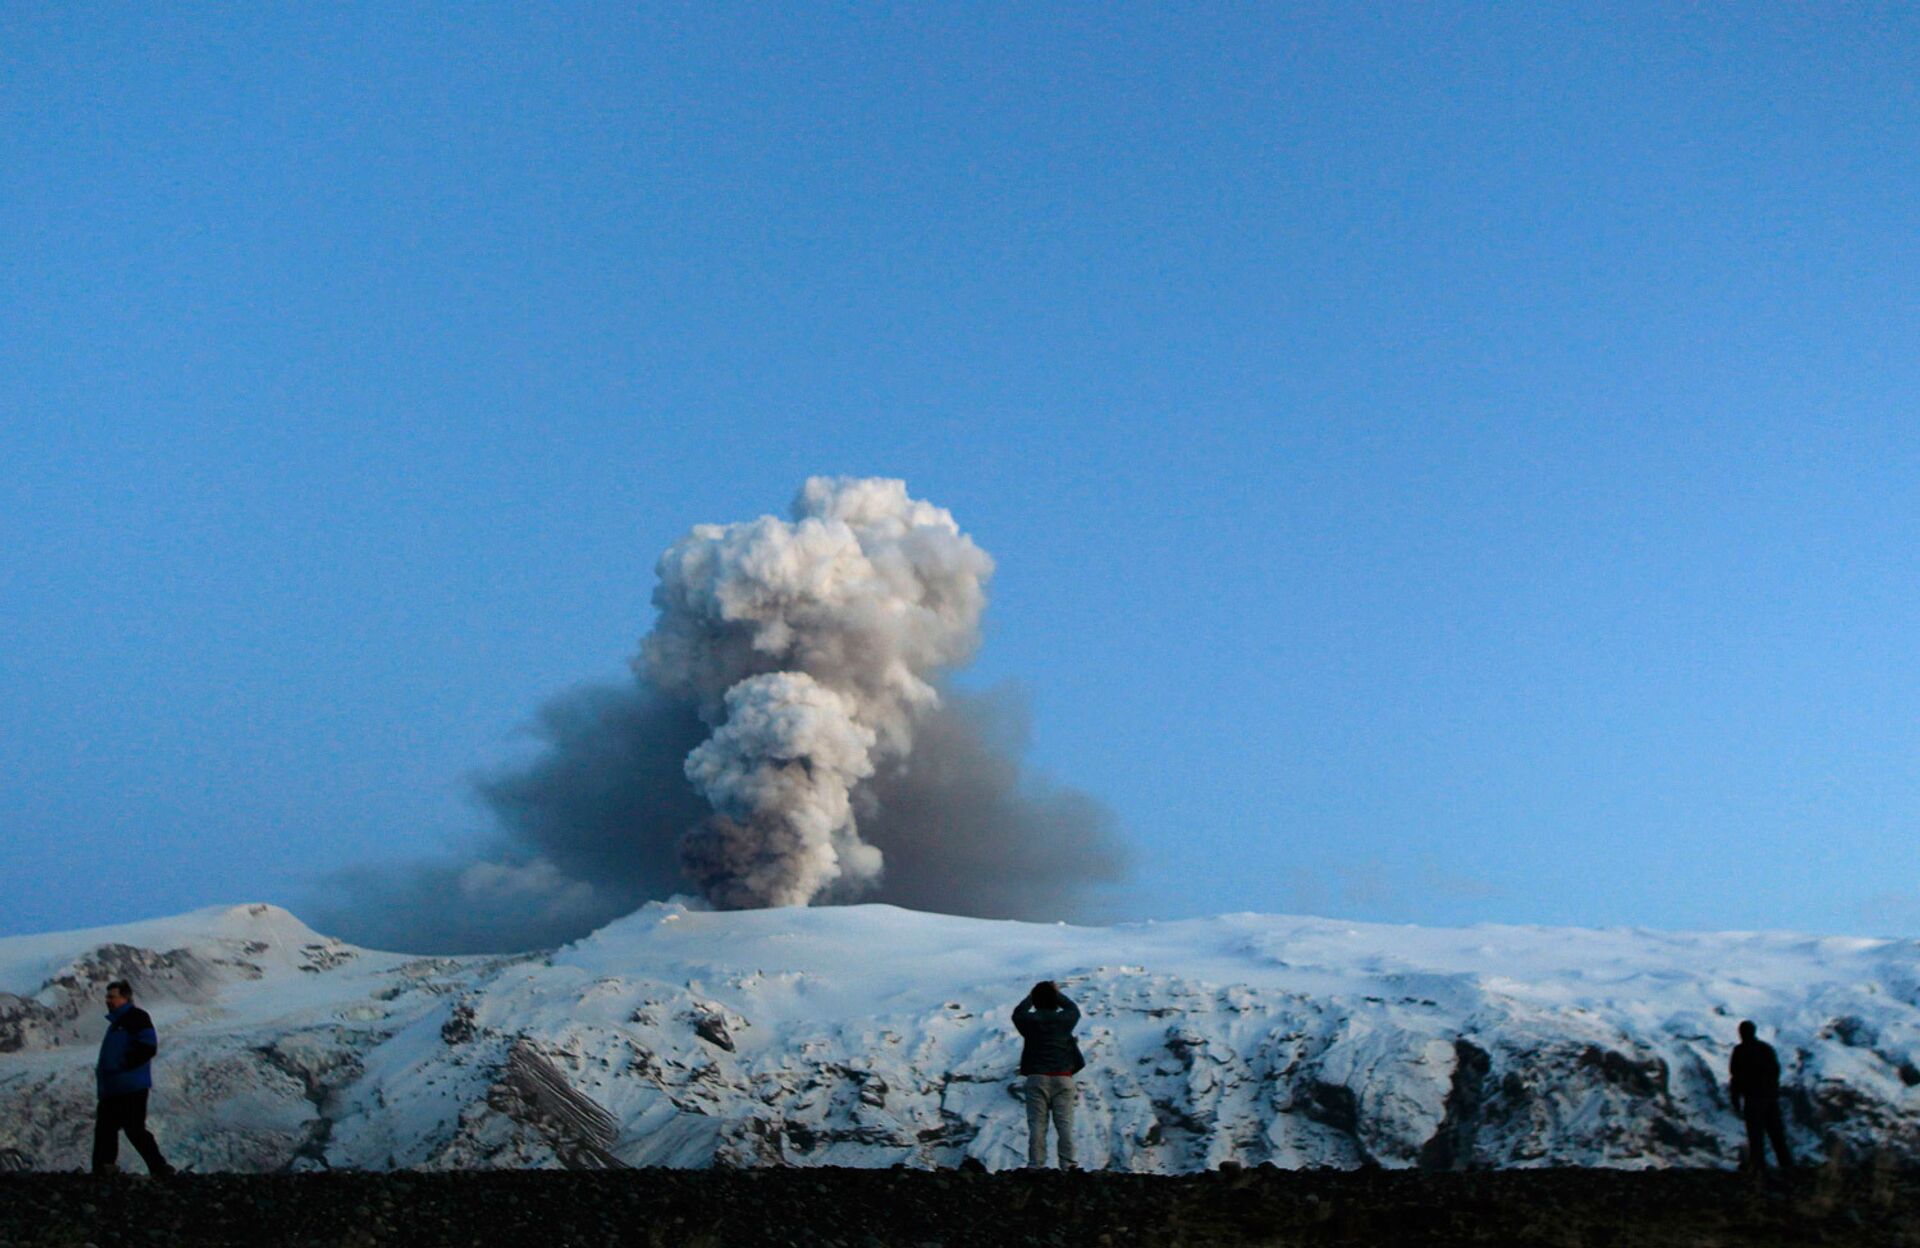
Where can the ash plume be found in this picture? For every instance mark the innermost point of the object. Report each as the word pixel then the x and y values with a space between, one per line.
pixel 786 739
pixel 779 773
pixel 808 645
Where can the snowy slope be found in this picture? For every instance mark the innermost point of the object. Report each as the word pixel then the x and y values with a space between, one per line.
pixel 869 1035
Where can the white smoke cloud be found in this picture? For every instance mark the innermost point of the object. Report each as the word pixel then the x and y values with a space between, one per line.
pixel 809 645
pixel 537 886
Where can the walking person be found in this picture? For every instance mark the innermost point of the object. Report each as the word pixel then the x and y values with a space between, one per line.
pixel 1755 1092
pixel 1050 1058
pixel 124 1076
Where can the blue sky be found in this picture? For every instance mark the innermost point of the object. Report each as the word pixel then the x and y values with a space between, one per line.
pixel 1444 464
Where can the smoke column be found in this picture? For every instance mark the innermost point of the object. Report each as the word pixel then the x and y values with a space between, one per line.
pixel 786 740
pixel 808 646
pixel 779 774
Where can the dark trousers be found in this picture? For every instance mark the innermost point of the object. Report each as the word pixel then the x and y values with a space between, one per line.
pixel 1763 1119
pixel 125 1112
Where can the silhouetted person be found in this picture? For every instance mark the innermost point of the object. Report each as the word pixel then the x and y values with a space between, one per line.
pixel 1755 1089
pixel 124 1076
pixel 1049 1059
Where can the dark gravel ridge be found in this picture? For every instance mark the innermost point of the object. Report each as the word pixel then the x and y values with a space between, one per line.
pixel 953 1209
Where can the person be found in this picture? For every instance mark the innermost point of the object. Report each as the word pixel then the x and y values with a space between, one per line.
pixel 124 1076
pixel 1755 1091
pixel 1049 1058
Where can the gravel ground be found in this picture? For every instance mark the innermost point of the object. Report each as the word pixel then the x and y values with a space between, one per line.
pixel 915 1209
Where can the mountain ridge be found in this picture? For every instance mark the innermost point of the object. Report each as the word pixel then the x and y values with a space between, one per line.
pixel 874 1036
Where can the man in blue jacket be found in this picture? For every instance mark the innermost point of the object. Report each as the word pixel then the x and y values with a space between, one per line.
pixel 1049 1059
pixel 124 1076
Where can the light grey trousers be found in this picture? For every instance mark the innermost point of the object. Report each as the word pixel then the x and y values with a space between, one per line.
pixel 1050 1096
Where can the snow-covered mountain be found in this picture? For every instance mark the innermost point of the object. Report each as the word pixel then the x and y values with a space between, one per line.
pixel 869 1035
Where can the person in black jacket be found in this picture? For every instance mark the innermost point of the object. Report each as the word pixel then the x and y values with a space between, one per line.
pixel 124 1076
pixel 1049 1059
pixel 1755 1091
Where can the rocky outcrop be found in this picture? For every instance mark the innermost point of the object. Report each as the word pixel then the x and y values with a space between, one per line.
pixel 63 1008
pixel 533 1092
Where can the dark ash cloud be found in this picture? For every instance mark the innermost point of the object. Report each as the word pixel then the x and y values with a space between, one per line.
pixel 789 739
pixel 590 830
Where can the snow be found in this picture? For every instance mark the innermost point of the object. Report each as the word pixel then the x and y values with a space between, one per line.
pixel 869 1035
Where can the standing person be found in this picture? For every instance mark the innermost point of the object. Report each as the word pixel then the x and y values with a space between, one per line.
pixel 124 1076
pixel 1049 1059
pixel 1755 1090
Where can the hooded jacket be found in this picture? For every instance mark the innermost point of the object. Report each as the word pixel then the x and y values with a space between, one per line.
pixel 1050 1047
pixel 125 1051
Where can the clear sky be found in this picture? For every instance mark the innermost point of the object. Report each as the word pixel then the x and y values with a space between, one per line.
pixel 1445 463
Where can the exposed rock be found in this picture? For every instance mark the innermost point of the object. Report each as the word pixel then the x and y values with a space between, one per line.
pixel 534 1092
pixel 459 1027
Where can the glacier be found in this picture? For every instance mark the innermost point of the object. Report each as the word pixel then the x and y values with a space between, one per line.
pixel 875 1036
